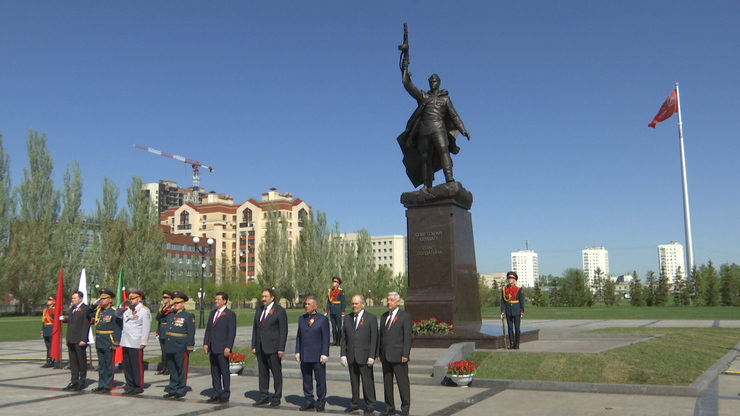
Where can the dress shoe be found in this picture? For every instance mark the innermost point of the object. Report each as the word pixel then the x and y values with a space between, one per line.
pixel 275 403
pixel 178 396
pixel 78 387
pixel 101 390
pixel 307 407
pixel 390 412
pixel 351 409
pixel 213 399
pixel 223 400
pixel 70 386
pixel 168 395
pixel 260 402
pixel 320 408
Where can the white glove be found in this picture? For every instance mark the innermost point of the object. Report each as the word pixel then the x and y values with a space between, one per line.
pixel 370 361
pixel 503 315
pixel 326 314
pixel 298 357
pixel 343 359
pixel 323 359
pixel 61 318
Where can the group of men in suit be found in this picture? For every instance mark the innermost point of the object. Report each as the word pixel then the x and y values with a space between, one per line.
pixel 362 337
pixel 363 340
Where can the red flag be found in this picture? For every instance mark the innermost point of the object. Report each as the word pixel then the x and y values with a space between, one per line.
pixel 56 331
pixel 669 107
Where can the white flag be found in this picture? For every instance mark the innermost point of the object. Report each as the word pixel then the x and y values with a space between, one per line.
pixel 82 287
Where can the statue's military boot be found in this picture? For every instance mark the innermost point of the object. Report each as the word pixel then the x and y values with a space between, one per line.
pixel 448 175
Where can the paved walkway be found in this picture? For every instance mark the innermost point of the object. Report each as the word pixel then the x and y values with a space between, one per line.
pixel 26 389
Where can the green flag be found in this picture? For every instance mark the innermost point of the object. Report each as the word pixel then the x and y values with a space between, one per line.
pixel 121 289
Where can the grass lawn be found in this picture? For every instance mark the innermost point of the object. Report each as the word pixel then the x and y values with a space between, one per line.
pixel 22 328
pixel 678 357
pixel 200 359
pixel 623 311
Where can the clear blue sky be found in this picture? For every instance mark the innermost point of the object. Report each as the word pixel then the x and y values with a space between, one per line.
pixel 306 96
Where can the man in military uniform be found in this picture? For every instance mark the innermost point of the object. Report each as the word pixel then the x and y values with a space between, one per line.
pixel 430 133
pixel 335 306
pixel 512 308
pixel 180 333
pixel 47 324
pixel 107 337
pixel 137 320
pixel 164 310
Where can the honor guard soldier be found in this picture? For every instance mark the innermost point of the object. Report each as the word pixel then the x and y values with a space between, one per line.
pixel 180 333
pixel 164 310
pixel 512 308
pixel 107 337
pixel 335 306
pixel 47 324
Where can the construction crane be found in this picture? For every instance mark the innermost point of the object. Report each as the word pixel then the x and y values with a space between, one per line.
pixel 194 163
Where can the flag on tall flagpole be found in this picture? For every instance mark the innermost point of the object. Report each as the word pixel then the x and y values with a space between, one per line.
pixel 120 298
pixel 672 105
pixel 669 107
pixel 56 331
pixel 82 287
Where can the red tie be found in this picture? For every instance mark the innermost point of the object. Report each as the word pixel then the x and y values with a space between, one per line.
pixel 215 318
pixel 264 312
pixel 388 324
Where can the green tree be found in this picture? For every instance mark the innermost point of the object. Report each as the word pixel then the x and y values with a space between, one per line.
pixel 637 293
pixel 538 297
pixel 710 284
pixel 70 238
pixel 598 285
pixel 610 295
pixel 275 258
pixel 575 291
pixel 34 265
pixel 7 214
pixel 650 289
pixel 108 231
pixel 681 295
pixel 144 247
pixel 729 275
pixel 359 265
pixel 662 289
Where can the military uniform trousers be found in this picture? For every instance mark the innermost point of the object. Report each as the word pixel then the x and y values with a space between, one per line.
pixel 133 369
pixel 177 364
pixel 105 348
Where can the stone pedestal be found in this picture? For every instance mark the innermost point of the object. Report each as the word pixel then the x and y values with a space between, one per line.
pixel 443 280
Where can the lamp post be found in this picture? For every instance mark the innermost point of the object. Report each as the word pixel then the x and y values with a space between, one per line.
pixel 201 293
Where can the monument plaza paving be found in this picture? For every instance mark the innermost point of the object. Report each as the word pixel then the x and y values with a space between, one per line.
pixel 27 389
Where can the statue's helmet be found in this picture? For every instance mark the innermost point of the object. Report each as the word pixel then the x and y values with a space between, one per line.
pixel 434 77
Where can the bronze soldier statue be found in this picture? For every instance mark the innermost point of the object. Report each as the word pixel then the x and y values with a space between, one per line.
pixel 431 132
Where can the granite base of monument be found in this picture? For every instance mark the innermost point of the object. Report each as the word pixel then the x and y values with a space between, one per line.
pixel 442 277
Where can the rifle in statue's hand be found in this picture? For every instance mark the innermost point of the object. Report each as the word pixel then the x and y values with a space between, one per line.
pixel 403 60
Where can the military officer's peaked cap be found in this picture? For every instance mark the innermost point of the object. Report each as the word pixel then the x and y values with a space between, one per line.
pixel 178 297
pixel 105 293
pixel 337 278
pixel 512 275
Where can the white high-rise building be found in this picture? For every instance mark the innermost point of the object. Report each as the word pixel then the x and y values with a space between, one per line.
pixel 524 263
pixel 671 260
pixel 595 258
pixel 388 251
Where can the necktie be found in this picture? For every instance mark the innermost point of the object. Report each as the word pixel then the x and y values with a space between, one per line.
pixel 215 318
pixel 264 312
pixel 356 316
pixel 388 324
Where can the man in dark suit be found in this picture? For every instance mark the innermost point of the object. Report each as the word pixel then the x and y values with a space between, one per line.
pixel 312 352
pixel 218 342
pixel 359 349
pixel 78 329
pixel 269 334
pixel 395 348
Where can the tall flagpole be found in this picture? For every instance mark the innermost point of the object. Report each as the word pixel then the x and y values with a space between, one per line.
pixel 686 215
